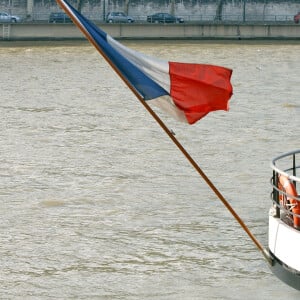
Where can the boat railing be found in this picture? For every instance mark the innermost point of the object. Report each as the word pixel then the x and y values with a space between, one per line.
pixel 286 199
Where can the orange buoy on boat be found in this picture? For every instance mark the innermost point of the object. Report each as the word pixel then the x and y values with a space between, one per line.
pixel 287 198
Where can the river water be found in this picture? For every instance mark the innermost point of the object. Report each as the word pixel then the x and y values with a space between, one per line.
pixel 97 202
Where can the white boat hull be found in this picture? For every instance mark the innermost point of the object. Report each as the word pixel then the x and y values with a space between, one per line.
pixel 284 247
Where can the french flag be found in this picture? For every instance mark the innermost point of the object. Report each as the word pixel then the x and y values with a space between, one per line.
pixel 187 91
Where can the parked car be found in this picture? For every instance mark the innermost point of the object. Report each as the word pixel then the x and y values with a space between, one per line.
pixel 118 17
pixel 164 18
pixel 59 17
pixel 7 18
pixel 297 18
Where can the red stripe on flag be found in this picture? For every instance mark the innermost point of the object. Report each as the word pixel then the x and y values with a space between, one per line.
pixel 199 89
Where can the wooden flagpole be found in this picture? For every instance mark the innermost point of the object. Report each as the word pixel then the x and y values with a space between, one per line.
pixel 264 251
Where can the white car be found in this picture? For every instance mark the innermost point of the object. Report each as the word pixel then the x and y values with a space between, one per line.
pixel 7 18
pixel 118 17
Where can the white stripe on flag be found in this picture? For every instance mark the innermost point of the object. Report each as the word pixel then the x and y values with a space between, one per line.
pixel 166 104
pixel 156 69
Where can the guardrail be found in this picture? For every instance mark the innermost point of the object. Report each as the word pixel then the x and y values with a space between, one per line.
pixel 248 18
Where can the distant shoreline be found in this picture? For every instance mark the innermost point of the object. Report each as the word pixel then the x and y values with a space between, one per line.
pixel 85 42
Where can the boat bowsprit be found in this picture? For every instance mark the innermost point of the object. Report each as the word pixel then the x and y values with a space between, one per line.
pixel 284 219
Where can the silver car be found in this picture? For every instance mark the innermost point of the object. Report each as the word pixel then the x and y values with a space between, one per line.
pixel 118 17
pixel 7 18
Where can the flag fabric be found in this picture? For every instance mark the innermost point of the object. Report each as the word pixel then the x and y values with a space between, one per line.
pixel 187 91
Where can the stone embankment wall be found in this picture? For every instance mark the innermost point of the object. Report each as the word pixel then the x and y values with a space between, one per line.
pixel 144 31
pixel 191 10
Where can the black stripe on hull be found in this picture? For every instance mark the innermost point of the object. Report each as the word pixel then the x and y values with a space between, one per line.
pixel 286 274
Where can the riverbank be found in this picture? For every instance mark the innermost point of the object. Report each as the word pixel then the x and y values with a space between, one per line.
pixel 29 31
pixel 85 43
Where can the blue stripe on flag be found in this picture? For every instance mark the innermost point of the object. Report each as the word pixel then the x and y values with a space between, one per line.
pixel 145 86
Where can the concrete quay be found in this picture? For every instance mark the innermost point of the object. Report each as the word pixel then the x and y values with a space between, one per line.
pixel 196 31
